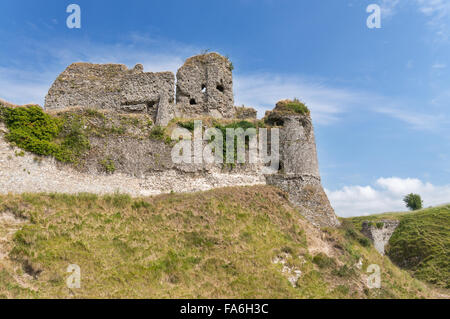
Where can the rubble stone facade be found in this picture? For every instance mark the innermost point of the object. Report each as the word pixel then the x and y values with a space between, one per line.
pixel 203 88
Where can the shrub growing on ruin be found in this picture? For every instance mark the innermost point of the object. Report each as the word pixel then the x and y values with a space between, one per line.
pixel 235 125
pixel 292 106
pixel 159 133
pixel 33 130
pixel 187 125
pixel 108 165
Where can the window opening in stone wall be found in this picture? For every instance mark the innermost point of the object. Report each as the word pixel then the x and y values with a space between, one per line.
pixel 151 105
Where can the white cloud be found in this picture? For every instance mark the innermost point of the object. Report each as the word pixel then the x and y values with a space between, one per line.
pixel 398 186
pixel 386 195
pixel 438 9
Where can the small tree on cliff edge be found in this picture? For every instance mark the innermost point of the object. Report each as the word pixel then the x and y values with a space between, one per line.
pixel 413 201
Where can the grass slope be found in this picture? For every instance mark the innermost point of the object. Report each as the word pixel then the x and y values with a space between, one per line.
pixel 421 243
pixel 220 243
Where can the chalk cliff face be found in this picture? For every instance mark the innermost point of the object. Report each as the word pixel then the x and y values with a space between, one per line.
pixel 380 233
pixel 204 88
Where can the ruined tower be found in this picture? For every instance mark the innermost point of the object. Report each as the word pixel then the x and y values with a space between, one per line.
pixel 205 87
pixel 299 169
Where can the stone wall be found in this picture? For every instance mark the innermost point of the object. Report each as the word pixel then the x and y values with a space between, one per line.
pixel 379 235
pixel 143 166
pixel 28 173
pixel 113 86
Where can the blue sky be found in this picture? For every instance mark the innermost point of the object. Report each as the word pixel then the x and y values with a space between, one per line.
pixel 380 98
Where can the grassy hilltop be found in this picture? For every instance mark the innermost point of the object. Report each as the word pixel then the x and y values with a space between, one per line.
pixel 421 243
pixel 238 242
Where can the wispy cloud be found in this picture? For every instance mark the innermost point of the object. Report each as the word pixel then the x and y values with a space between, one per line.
pixel 388 7
pixel 439 66
pixel 385 195
pixel 262 91
pixel 330 104
pixel 417 120
pixel 23 84
pixel 437 12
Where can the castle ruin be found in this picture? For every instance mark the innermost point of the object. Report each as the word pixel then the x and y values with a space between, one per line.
pixel 203 88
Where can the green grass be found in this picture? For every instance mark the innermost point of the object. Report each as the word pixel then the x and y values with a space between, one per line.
pixel 292 106
pixel 421 243
pixel 108 165
pixel 323 261
pixel 159 133
pixel 215 244
pixel 189 125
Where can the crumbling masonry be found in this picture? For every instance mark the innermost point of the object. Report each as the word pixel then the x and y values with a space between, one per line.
pixel 204 87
